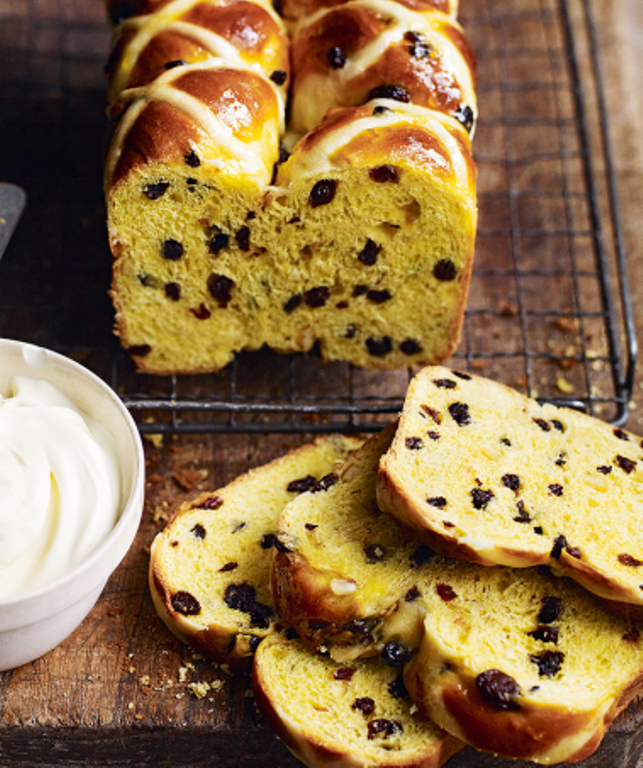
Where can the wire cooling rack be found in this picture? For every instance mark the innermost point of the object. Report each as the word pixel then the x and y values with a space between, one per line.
pixel 549 309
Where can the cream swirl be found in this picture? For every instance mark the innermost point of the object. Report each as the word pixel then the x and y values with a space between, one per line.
pixel 60 485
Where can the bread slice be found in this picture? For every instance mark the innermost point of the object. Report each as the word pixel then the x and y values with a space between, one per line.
pixel 481 472
pixel 346 573
pixel 209 567
pixel 514 661
pixel 330 714
pixel 523 664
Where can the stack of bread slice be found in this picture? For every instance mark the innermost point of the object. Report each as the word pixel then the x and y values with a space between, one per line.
pixel 467 575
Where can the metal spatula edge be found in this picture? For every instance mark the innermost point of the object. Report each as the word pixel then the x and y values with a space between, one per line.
pixel 12 202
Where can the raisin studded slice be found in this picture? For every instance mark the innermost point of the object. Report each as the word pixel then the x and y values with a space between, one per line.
pixel 364 704
pixel 548 662
pixel 383 727
pixel 220 288
pixel 172 250
pixel 199 531
pixel 550 610
pixel 481 498
pixel 228 567
pixel 379 347
pixel 278 76
pixel 545 634
pixel 498 688
pixel 154 191
pixel 556 489
pixel 335 57
pixel 301 484
pixel 604 470
pixel 383 174
pixel 621 434
pixel 351 331
pixel 389 91
pixel 545 426
pixel 437 501
pixel 185 603
pixel 322 192
pixel 414 443
pixel 368 254
pixel 192 159
pixel 460 413
pixel 174 63
pixel 395 654
pixel 445 271
pixel 557 424
pixel 311 526
pixel 433 435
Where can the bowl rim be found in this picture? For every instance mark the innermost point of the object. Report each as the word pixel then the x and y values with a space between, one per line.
pixel 121 535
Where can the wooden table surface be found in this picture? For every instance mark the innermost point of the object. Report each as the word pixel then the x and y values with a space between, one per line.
pixel 119 691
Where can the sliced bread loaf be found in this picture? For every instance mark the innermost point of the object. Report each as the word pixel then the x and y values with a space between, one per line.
pixel 338 716
pixel 209 567
pixel 518 662
pixel 484 473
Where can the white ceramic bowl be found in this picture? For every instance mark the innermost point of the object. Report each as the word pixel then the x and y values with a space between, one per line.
pixel 34 622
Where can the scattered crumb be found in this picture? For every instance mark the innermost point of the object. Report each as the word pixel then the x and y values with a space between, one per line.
pixel 154 478
pixel 565 324
pixel 564 386
pixel 115 611
pixel 154 438
pixel 199 690
pixel 189 479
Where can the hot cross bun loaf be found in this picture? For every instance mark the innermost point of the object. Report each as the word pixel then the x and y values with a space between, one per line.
pixel 209 567
pixel 330 714
pixel 360 242
pixel 518 662
pixel 480 471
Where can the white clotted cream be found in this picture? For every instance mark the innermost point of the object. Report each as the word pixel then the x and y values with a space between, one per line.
pixel 60 485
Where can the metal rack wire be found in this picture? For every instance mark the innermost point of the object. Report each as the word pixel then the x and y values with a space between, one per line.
pixel 549 309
